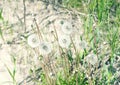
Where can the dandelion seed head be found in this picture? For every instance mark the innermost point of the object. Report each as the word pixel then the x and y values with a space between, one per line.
pixel 33 40
pixel 91 58
pixel 45 48
pixel 64 41
pixel 80 44
pixel 116 82
pixel 67 27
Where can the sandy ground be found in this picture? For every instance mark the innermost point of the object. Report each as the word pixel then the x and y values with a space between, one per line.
pixel 13 13
pixel 4 59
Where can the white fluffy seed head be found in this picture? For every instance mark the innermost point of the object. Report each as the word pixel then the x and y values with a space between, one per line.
pixel 64 41
pixel 91 58
pixel 81 45
pixel 67 27
pixel 33 40
pixel 45 48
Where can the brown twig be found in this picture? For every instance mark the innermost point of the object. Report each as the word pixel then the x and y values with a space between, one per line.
pixel 38 30
pixel 24 15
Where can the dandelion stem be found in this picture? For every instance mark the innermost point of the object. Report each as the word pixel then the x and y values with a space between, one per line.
pixel 73 44
pixel 24 14
pixel 39 33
